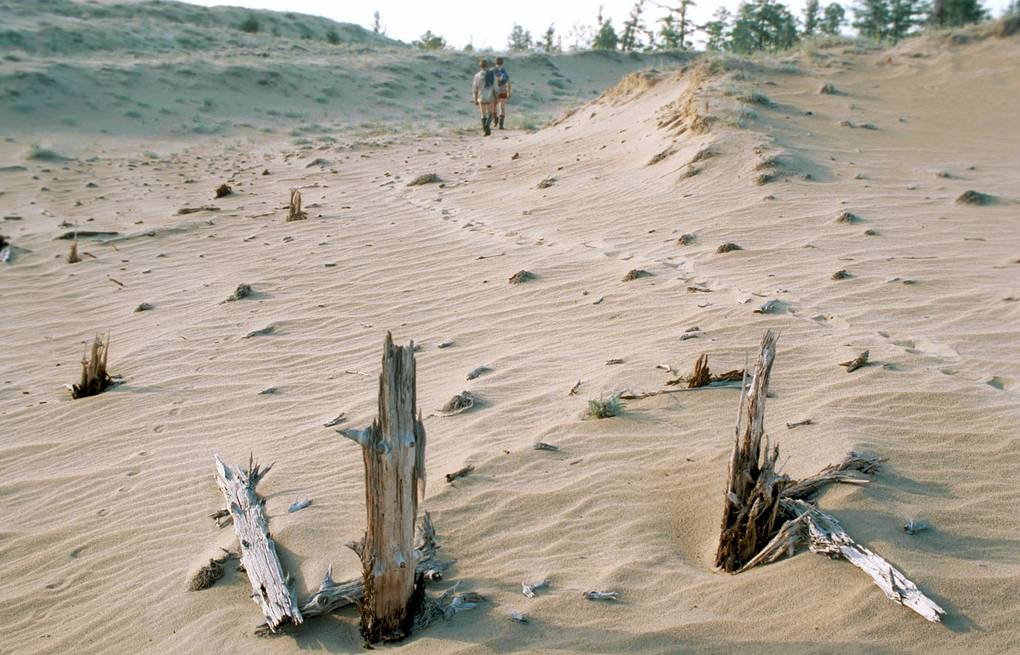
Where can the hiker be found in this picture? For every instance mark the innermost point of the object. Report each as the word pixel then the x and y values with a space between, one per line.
pixel 484 88
pixel 503 90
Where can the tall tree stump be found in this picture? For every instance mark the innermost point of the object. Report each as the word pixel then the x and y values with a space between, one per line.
pixel 394 452
pixel 753 488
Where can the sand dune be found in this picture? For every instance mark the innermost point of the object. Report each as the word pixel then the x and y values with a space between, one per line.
pixel 104 501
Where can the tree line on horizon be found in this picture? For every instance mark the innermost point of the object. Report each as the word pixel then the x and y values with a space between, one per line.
pixel 757 25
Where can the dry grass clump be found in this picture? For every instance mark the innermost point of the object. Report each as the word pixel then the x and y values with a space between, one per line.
pixel 841 274
pixel 846 216
pixel 661 155
pixel 242 291
pixel 425 178
pixel 683 115
pixel 755 98
pixel 604 407
pixel 94 378
pixel 223 190
pixel 72 256
pixel 828 89
pixel 727 247
pixel 686 239
pixel 206 576
pixel 546 183
pixel 294 211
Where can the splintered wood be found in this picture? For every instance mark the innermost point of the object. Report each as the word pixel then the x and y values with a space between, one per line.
pixel 751 504
pixel 766 516
pixel 270 585
pixel 294 212
pixel 393 448
pixel 94 378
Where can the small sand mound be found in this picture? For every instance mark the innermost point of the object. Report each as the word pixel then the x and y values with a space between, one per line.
pixel 971 197
pixel 425 178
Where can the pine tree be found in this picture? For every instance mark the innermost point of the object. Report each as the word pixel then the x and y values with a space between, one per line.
pixel 606 38
pixel 763 25
pixel 632 26
pixel 871 18
pixel 669 37
pixel 519 40
pixel 833 18
pixel 811 22
pixel 429 41
pixel 718 30
pixel 904 15
pixel 953 13
pixel 549 42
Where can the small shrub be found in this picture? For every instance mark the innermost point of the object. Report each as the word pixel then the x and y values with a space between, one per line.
pixel 604 407
pixel 250 25
pixel 333 36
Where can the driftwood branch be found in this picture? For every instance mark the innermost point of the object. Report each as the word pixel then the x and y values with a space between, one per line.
pixel 827 537
pixel 270 585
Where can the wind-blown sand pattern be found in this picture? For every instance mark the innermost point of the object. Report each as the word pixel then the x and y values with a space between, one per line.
pixel 104 501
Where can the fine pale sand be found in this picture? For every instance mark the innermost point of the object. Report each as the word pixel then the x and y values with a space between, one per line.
pixel 104 501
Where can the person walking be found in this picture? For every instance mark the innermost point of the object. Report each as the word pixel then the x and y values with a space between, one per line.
pixel 484 90
pixel 504 89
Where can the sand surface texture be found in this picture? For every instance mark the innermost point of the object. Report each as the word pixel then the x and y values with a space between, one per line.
pixel 104 501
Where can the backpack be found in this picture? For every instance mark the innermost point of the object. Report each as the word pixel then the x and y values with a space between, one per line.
pixel 490 78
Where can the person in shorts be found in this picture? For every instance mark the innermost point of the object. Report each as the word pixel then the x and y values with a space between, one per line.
pixel 504 89
pixel 484 90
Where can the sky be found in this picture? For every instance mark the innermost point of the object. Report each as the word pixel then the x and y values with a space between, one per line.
pixel 488 23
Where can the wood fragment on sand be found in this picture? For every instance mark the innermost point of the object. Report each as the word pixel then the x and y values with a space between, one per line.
pixel 727 247
pixel 521 276
pixel 459 404
pixel 72 255
pixel 635 274
pixel 270 585
pixel 460 473
pixel 857 362
pixel 601 595
pixel 541 445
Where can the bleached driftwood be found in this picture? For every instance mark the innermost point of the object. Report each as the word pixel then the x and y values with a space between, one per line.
pixel 270 585
pixel 804 489
pixel 394 454
pixel 827 537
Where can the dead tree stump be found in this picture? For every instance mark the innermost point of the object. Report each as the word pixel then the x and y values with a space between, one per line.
pixel 94 378
pixel 270 585
pixel 753 488
pixel 294 211
pixel 394 453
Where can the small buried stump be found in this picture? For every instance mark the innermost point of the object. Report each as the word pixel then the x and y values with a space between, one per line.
pixel 72 256
pixel 841 274
pixel 847 217
pixel 972 197
pixel 294 211
pixel 223 190
pixel 521 276
pixel 727 247
pixel 425 178
pixel 635 274
pixel 207 576
pixel 94 378
pixel 686 239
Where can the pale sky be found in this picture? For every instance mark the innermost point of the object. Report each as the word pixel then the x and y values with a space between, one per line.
pixel 487 23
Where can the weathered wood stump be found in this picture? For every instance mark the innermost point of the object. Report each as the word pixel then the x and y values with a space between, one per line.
pixel 751 508
pixel 94 378
pixel 394 453
pixel 766 516
pixel 270 585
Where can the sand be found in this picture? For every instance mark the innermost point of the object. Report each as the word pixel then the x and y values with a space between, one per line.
pixel 104 501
